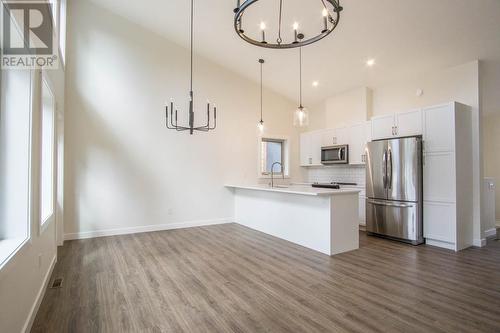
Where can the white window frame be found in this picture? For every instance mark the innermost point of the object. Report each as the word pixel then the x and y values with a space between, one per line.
pixel 285 157
pixel 44 223
pixel 12 246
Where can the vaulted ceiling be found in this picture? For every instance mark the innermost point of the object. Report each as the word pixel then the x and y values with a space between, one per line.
pixel 404 37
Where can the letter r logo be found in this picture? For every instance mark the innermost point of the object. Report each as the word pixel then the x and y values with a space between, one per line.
pixel 27 28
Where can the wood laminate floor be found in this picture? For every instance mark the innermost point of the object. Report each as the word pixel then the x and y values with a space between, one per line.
pixel 228 278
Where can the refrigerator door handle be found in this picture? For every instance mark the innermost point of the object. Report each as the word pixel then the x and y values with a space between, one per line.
pixel 390 204
pixel 384 168
pixel 389 169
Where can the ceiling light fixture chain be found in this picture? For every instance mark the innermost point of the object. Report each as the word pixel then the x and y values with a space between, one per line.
pixel 280 40
pixel 174 125
pixel 331 19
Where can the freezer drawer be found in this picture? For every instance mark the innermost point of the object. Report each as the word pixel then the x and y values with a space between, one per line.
pixel 394 219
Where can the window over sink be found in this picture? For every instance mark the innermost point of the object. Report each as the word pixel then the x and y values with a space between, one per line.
pixel 272 150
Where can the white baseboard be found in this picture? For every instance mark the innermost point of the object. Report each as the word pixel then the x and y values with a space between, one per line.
pixel 39 297
pixel 490 233
pixel 146 228
pixel 439 243
pixel 479 242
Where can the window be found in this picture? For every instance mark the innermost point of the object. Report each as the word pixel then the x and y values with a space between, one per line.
pixel 15 153
pixel 62 30
pixel 47 154
pixel 272 151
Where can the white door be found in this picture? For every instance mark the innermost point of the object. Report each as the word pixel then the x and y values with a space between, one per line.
pixel 316 144
pixel 357 144
pixel 329 138
pixel 305 149
pixel 409 123
pixel 383 127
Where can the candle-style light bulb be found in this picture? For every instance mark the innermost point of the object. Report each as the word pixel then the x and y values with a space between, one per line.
pixel 263 28
pixel 325 20
pixel 295 32
pixel 260 126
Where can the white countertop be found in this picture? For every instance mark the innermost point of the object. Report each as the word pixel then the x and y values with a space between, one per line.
pixel 296 189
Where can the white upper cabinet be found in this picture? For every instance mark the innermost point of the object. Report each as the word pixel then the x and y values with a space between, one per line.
pixel 357 144
pixel 310 148
pixel 316 143
pixel 305 144
pixel 383 127
pixel 343 135
pixel 409 123
pixel 329 138
pixel 439 129
pixel 397 125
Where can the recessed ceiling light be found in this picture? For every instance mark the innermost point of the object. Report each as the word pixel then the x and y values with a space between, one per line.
pixel 315 83
pixel 370 62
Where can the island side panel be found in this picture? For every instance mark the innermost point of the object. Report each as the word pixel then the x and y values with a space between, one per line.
pixel 344 223
pixel 301 219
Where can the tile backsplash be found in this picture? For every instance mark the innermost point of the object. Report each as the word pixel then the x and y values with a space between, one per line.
pixel 339 173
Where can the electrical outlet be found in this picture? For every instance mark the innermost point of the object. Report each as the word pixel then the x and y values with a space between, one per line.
pixel 169 211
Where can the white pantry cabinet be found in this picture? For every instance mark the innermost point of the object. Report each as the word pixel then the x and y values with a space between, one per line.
pixel 407 123
pixel 447 185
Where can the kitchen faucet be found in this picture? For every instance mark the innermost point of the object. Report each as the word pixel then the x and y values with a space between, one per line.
pixel 272 172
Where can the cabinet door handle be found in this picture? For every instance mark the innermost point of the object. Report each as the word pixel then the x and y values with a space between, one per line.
pixel 396 130
pixel 310 160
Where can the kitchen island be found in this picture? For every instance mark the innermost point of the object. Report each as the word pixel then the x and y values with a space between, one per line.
pixel 325 220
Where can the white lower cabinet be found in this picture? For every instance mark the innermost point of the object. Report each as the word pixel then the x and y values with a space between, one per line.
pixel 362 209
pixel 439 223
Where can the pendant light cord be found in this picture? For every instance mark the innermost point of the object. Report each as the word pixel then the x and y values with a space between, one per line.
pixel 300 76
pixel 261 91
pixel 192 14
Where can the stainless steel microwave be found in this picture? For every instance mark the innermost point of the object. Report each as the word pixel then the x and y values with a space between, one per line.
pixel 335 154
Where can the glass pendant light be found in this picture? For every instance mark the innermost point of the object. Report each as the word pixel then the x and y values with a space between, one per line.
pixel 260 124
pixel 301 115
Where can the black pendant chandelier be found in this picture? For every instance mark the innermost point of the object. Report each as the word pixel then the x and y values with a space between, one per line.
pixel 331 17
pixel 173 123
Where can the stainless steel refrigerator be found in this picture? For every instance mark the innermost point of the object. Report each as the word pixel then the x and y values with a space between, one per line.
pixel 394 189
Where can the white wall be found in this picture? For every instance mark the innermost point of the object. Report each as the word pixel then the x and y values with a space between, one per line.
pixel 348 108
pixel 123 168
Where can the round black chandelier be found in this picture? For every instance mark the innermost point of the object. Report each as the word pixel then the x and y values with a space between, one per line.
pixel 331 17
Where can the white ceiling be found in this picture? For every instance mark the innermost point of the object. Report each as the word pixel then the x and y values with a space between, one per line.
pixel 404 36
